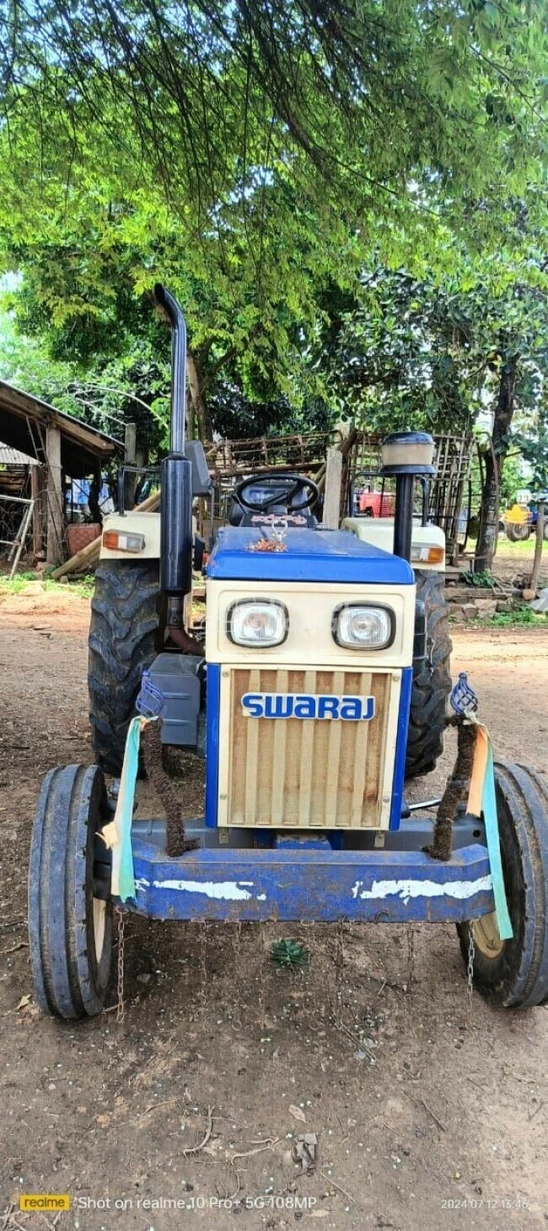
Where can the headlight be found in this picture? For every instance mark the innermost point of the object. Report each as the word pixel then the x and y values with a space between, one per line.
pixel 257 624
pixel 358 627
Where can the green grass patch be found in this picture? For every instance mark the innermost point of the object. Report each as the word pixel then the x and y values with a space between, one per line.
pixel 83 587
pixel 505 547
pixel 523 547
pixel 522 617
pixel 483 578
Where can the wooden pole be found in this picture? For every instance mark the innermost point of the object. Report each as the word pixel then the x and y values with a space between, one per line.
pixel 37 495
pixel 332 494
pixel 539 543
pixel 130 457
pixel 55 503
pixel 87 556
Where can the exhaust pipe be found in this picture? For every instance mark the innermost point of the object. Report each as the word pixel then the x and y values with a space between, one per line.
pixel 405 457
pixel 176 545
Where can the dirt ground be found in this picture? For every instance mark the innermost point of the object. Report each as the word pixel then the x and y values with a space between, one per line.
pixel 427 1115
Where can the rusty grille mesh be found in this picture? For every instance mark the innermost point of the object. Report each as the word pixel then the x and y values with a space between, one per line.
pixel 312 773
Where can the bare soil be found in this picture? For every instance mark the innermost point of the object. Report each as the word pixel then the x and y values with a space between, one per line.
pixel 427 1115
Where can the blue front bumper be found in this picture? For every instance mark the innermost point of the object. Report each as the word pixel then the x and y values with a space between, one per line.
pixel 389 886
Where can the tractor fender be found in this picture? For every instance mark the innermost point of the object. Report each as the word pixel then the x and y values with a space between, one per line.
pixel 134 522
pixel 379 531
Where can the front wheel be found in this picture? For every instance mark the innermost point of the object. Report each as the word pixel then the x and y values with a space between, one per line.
pixel 70 914
pixel 515 972
pixel 517 531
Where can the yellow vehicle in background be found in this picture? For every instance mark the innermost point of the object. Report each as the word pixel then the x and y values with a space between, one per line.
pixel 520 520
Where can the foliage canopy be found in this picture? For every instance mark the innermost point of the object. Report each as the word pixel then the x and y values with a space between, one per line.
pixel 264 159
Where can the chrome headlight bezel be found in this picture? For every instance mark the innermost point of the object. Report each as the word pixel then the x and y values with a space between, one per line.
pixel 365 647
pixel 251 643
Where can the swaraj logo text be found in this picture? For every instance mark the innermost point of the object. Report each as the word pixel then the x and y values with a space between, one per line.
pixel 307 705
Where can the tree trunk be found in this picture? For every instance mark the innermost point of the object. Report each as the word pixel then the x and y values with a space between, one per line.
pixel 198 403
pixel 539 543
pixel 489 511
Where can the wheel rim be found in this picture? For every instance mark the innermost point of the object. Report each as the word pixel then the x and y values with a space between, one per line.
pixel 99 926
pixel 487 936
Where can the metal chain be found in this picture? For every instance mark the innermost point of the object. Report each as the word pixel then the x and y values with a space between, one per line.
pixel 120 1010
pixel 261 979
pixel 339 966
pixel 237 981
pixel 470 965
pixel 203 929
pixel 410 955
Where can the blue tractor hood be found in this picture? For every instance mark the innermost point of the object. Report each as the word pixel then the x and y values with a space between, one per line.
pixel 311 555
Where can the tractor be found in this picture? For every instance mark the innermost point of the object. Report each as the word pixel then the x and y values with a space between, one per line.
pixel 520 520
pixel 298 709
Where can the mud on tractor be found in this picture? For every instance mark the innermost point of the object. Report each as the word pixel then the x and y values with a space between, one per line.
pixel 322 656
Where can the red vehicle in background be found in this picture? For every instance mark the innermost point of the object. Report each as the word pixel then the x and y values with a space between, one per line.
pixel 377 504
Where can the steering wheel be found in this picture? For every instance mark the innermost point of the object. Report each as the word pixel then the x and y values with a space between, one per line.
pixel 287 487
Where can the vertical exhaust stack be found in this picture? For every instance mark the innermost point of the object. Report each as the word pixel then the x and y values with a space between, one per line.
pixel 176 545
pixel 405 457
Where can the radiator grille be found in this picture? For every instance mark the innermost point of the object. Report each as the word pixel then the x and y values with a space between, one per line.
pixel 312 773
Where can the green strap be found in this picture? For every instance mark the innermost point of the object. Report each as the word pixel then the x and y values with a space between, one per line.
pixel 489 804
pixel 124 810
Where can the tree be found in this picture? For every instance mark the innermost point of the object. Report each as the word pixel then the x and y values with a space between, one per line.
pixel 133 387
pixel 251 155
pixel 259 159
pixel 23 363
pixel 207 97
pixel 518 359
pixel 533 444
pixel 400 352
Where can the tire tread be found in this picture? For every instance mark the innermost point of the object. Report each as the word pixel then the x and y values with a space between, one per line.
pixel 68 982
pixel 122 644
pixel 431 683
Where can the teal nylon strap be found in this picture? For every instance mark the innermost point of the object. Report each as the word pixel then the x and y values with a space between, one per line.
pixel 489 803
pixel 126 875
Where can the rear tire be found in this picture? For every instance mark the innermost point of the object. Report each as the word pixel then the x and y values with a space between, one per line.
pixel 124 638
pixel 431 680
pixel 70 914
pixel 514 973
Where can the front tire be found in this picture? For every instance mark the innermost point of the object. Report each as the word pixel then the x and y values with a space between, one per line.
pixel 517 532
pixel 123 641
pixel 514 973
pixel 70 914
pixel 431 680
